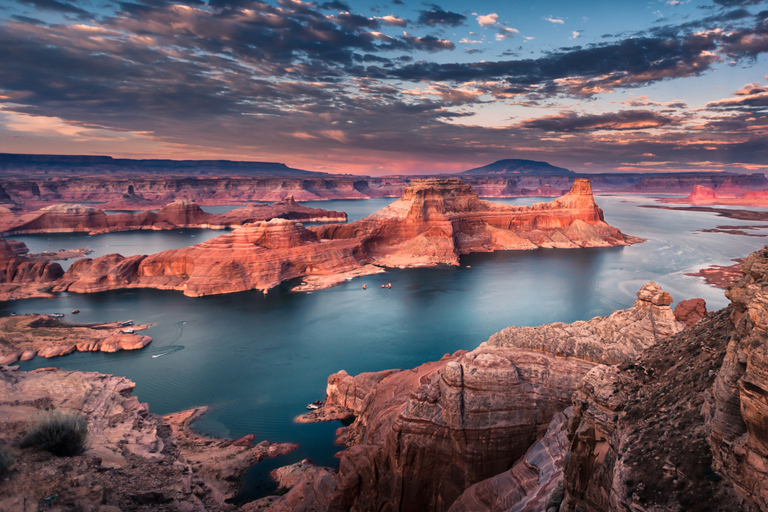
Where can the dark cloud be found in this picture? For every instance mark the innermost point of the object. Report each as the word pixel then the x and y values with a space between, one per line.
pixel 437 16
pixel 28 21
pixel 429 43
pixel 624 120
pixel 347 19
pixel 733 3
pixel 55 5
pixel 335 5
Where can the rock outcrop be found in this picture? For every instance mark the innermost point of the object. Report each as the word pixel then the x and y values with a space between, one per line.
pixel 423 436
pixel 181 213
pixel 703 195
pixel 135 460
pixel 433 223
pixel 27 336
pixel 22 277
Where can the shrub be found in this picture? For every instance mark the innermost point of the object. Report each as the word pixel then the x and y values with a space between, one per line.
pixel 6 460
pixel 62 434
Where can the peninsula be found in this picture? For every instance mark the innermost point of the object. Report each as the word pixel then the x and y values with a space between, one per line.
pixel 434 222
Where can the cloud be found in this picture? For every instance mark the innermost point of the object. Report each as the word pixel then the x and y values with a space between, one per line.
pixel 429 43
pixel 575 34
pixel 751 97
pixel 557 21
pixel 624 120
pixel 505 32
pixel 55 5
pixel 437 16
pixel 488 20
pixel 392 20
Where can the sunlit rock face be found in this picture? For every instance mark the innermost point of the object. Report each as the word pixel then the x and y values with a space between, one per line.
pixel 434 222
pixel 423 436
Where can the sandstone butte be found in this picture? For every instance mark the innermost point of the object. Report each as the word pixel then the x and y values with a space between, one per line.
pixel 72 218
pixel 703 195
pixel 22 277
pixel 434 222
pixel 633 411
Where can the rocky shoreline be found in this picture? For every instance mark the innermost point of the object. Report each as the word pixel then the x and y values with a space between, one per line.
pixel 136 460
pixel 23 337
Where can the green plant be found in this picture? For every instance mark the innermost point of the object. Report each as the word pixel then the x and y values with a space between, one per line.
pixel 6 460
pixel 61 433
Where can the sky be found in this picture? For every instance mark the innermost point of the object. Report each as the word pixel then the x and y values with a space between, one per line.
pixel 391 87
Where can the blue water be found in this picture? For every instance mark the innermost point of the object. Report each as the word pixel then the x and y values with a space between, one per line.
pixel 258 360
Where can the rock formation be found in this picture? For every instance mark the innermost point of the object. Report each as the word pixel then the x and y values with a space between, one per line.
pixel 181 213
pixel 720 276
pixel 22 277
pixel 433 223
pixel 703 195
pixel 27 336
pixel 423 436
pixel 135 460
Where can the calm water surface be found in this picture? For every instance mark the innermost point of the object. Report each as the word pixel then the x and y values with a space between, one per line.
pixel 258 360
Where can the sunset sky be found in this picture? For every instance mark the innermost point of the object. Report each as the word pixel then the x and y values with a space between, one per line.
pixel 391 87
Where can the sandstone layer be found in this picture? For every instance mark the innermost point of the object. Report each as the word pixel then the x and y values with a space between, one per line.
pixel 143 190
pixel 421 437
pixel 703 195
pixel 27 336
pixel 433 223
pixel 22 277
pixel 136 460
pixel 73 218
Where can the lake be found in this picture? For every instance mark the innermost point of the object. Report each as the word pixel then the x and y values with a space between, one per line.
pixel 259 359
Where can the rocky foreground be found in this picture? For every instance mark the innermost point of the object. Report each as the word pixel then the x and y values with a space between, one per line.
pixel 136 460
pixel 644 410
pixel 433 223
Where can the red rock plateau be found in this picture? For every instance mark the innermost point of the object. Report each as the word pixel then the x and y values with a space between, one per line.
pixel 62 218
pixel 145 191
pixel 22 277
pixel 703 195
pixel 155 192
pixel 423 436
pixel 433 223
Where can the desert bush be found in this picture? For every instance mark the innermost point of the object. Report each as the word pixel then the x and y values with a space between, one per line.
pixel 6 460
pixel 61 433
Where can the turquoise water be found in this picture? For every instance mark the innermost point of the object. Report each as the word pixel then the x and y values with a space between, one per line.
pixel 258 360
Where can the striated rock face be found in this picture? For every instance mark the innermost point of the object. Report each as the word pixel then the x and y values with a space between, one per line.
pixel 533 484
pixel 22 277
pixel 256 256
pixel 433 223
pixel 182 213
pixel 423 436
pixel 739 413
pixel 436 220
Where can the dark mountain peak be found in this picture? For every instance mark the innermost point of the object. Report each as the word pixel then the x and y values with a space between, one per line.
pixel 512 166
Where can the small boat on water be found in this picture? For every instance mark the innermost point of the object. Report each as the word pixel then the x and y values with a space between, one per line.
pixel 57 315
pixel 75 311
pixel 315 405
pixel 128 331
pixel 388 285
pixel 126 323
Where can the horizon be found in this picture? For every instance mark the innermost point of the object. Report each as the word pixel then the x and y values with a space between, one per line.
pixel 350 88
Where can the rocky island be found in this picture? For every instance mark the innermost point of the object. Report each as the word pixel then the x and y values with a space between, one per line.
pixel 704 195
pixel 434 223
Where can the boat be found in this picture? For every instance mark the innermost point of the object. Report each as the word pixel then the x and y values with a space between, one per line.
pixel 75 311
pixel 126 323
pixel 128 331
pixel 388 285
pixel 365 287
pixel 315 405
pixel 57 315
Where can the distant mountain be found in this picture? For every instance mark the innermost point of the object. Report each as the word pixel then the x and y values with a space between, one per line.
pixel 515 166
pixel 106 165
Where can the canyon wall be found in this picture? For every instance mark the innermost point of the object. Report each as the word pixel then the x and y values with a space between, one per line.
pixel 423 436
